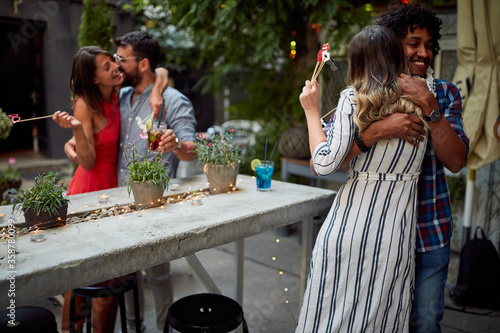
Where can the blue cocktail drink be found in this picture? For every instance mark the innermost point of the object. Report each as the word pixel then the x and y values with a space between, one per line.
pixel 264 174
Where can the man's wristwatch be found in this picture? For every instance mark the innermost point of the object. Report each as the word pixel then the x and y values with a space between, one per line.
pixel 178 142
pixel 434 116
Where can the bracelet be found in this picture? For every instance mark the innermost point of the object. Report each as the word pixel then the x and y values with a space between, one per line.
pixel 359 142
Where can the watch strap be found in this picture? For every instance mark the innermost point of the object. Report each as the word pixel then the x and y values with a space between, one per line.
pixel 359 142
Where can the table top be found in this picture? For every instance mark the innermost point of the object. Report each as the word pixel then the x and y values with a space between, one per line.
pixel 85 253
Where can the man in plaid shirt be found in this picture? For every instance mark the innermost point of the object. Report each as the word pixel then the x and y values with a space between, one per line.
pixel 447 146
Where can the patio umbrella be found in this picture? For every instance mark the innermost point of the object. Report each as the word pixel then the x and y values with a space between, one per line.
pixel 478 78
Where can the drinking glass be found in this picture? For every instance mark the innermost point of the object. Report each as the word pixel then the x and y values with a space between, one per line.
pixel 264 174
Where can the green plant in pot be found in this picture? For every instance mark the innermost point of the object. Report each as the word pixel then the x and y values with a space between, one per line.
pixel 45 205
pixel 5 125
pixel 147 179
pixel 9 178
pixel 221 160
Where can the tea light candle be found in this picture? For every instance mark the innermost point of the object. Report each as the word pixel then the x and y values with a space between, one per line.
pixel 37 235
pixel 196 201
pixel 103 198
pixel 175 187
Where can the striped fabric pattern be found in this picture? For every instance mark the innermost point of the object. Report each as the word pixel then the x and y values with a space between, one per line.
pixel 362 266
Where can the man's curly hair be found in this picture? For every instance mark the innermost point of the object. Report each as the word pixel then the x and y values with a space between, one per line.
pixel 412 17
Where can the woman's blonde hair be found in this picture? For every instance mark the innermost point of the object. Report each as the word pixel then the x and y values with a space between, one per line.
pixel 376 58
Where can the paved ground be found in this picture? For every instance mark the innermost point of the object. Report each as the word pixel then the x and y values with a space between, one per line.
pixel 270 300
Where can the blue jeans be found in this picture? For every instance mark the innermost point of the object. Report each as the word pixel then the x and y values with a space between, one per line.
pixel 431 272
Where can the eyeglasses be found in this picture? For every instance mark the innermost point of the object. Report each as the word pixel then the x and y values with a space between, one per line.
pixel 121 59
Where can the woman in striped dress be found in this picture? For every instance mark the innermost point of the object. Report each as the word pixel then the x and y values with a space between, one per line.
pixel 362 267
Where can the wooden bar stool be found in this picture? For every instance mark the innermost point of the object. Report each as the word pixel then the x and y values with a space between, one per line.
pixel 114 287
pixel 205 313
pixel 31 319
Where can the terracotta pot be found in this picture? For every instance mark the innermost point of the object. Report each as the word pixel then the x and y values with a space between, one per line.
pixel 45 220
pixel 221 178
pixel 147 194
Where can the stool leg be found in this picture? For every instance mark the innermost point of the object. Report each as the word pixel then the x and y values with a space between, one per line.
pixel 245 327
pixel 72 319
pixel 89 314
pixel 136 310
pixel 123 313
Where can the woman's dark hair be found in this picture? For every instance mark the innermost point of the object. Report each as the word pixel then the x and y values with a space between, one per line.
pixel 411 17
pixel 82 76
pixel 144 45
pixel 376 58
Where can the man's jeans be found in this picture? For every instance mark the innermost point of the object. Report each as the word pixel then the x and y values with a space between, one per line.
pixel 431 272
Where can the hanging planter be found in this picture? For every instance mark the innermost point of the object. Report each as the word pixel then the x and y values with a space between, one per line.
pixel 294 143
pixel 221 178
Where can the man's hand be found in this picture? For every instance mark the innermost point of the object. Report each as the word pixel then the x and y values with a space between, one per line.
pixel 70 150
pixel 168 141
pixel 416 91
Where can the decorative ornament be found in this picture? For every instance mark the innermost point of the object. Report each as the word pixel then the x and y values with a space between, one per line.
pixel 323 57
pixel 17 119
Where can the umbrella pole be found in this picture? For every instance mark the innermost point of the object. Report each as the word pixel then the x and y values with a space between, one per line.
pixel 469 198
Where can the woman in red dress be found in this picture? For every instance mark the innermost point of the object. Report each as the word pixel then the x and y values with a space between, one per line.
pixel 96 120
pixel 96 129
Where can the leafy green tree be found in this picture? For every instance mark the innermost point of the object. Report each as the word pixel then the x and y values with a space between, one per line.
pixel 249 43
pixel 96 25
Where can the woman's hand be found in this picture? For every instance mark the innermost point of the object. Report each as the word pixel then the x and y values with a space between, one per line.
pixel 65 120
pixel 309 98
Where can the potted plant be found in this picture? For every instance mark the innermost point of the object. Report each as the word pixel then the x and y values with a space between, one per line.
pixel 9 178
pixel 45 205
pixel 221 160
pixel 147 178
pixel 5 125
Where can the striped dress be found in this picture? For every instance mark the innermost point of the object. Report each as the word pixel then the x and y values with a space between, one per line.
pixel 362 265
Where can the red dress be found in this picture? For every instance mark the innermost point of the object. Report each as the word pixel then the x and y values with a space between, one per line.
pixel 103 175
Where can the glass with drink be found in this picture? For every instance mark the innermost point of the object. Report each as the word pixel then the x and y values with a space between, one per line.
pixel 263 174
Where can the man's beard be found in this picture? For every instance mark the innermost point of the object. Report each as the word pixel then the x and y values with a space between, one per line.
pixel 133 78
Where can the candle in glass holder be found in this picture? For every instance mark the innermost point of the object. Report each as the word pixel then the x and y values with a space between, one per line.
pixel 104 198
pixel 196 200
pixel 2 217
pixel 37 235
pixel 175 187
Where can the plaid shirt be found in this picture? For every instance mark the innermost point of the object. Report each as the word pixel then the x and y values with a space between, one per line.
pixel 434 207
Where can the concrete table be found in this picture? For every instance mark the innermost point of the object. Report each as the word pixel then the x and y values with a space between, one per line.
pixel 89 252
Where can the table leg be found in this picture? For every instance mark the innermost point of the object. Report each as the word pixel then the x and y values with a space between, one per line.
pixel 198 268
pixel 307 235
pixel 238 270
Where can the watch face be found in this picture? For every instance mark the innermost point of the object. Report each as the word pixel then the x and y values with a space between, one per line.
pixel 435 115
